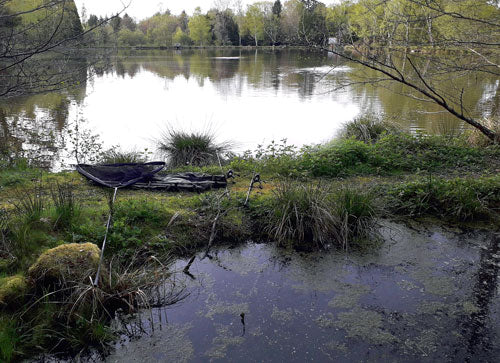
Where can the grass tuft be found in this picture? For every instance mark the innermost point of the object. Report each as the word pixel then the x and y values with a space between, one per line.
pixel 300 213
pixel 117 156
pixel 368 129
pixel 194 148
pixel 66 206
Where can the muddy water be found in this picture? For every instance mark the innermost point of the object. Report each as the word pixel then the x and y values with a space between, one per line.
pixel 427 294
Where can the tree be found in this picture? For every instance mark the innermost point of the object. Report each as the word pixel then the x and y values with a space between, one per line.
pixel 312 25
pixel 290 19
pixel 468 29
pixel 254 21
pixel 181 38
pixel 225 28
pixel 29 29
pixel 277 8
pixel 128 23
pixel 116 24
pixel 199 28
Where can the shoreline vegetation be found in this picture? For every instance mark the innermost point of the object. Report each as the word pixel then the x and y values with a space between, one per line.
pixel 317 197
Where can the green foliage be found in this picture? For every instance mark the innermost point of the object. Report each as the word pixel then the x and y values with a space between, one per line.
pixel 199 28
pixel 127 37
pixel 407 152
pixel 136 221
pixel 391 153
pixel 254 21
pixel 181 38
pixel 460 199
pixel 339 158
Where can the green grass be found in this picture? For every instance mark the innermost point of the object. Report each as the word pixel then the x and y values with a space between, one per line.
pixel 333 200
pixel 390 154
pixel 460 199
pixel 8 339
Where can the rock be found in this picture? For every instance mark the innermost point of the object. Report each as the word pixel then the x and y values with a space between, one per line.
pixel 12 289
pixel 66 265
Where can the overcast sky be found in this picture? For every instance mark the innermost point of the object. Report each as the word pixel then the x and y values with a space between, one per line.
pixel 141 9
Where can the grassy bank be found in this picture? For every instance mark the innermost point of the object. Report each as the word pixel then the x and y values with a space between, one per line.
pixel 317 197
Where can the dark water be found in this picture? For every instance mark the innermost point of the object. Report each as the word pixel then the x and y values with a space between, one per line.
pixel 427 294
pixel 247 96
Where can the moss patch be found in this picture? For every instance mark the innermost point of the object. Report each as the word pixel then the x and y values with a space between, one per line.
pixel 70 262
pixel 12 289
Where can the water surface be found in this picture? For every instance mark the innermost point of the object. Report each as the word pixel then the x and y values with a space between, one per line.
pixel 250 97
pixel 427 294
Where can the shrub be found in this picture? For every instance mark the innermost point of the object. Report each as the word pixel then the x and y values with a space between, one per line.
pixel 195 148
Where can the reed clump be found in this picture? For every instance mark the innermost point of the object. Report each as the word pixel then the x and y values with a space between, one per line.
pixel 118 156
pixel 197 148
pixel 368 128
pixel 305 215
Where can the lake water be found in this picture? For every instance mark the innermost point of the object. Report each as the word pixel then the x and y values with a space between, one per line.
pixel 249 97
pixel 428 294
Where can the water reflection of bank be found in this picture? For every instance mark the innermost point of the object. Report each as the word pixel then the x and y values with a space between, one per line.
pixel 281 88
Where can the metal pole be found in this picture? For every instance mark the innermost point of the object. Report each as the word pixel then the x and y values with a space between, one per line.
pixel 96 280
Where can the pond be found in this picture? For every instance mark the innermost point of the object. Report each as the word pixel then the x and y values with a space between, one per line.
pixel 249 97
pixel 426 294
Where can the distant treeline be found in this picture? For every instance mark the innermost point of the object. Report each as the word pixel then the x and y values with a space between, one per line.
pixel 296 22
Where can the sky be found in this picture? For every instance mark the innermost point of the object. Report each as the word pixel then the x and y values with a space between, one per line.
pixel 140 9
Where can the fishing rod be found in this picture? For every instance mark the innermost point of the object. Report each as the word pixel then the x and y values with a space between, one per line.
pixel 255 179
